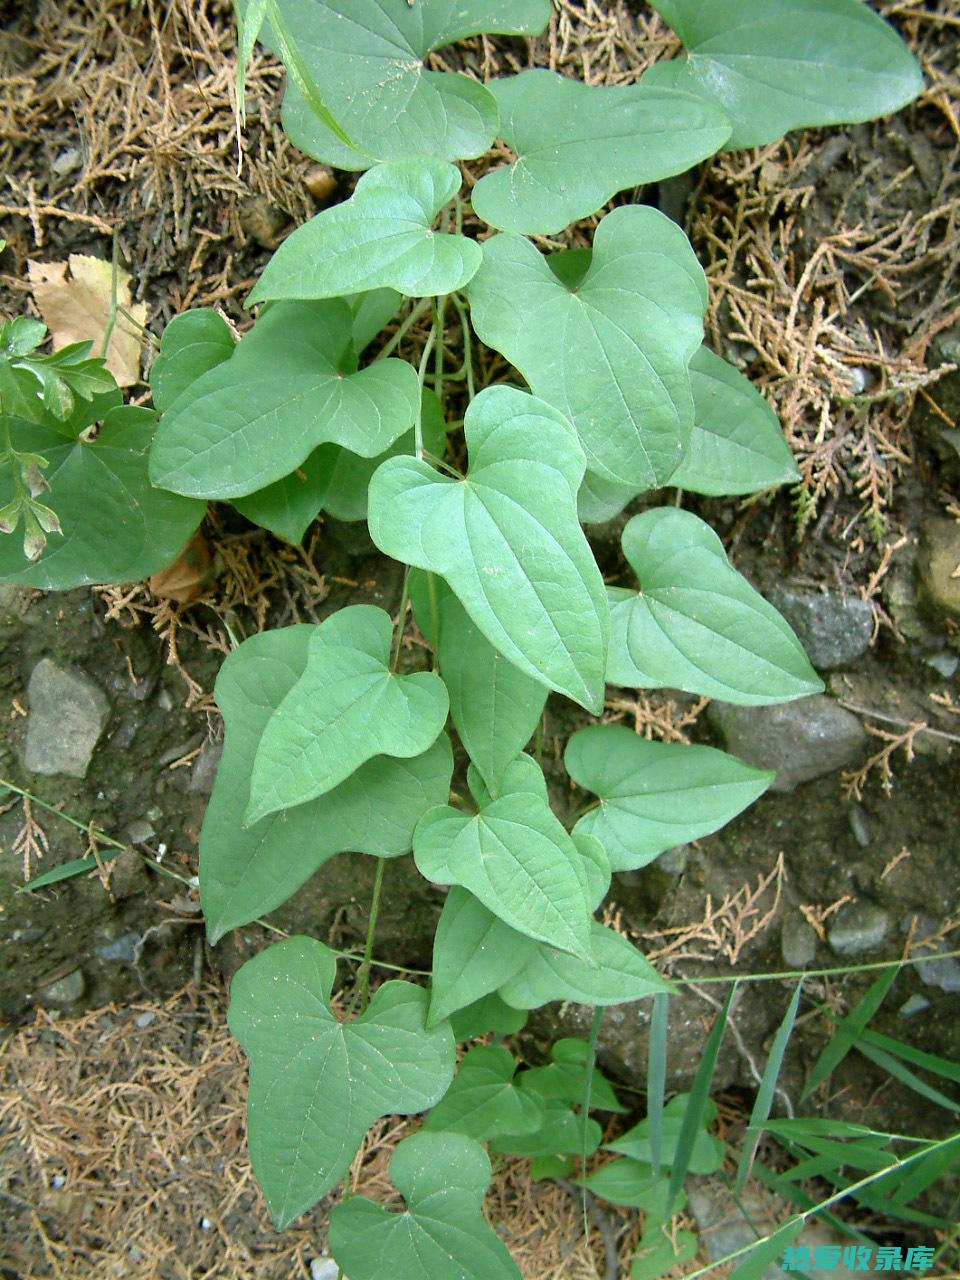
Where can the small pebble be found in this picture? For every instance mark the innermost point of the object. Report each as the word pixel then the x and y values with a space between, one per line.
pixel 323 1269
pixel 58 1181
pixel 914 1005
pixel 144 1019
pixel 946 663
pixel 859 825
pixel 321 183
pixel 206 1224
pixel 66 162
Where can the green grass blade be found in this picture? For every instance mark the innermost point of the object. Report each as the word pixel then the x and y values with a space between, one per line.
pixel 299 73
pixel 657 1076
pixel 697 1103
pixel 768 1083
pixel 67 870
pixel 938 1066
pixel 849 1030
pixel 767 1251
pixel 895 1068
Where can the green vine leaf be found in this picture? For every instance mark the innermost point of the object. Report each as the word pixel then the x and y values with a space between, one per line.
pixel 562 1131
pixel 193 343
pixel 577 145
pixel 346 708
pixel 246 872
pixel 334 480
pixel 487 1014
pixel 695 623
pixel 316 1084
pixel 605 338
pixel 484 1101
pixel 791 64
pixel 494 706
pixel 116 526
pixel 507 539
pixel 380 238
pixel 474 953
pixel 707 1153
pixel 654 795
pixel 516 858
pixel 737 445
pixel 291 384
pixel 564 1078
pixel 615 974
pixel 369 58
pixel 443 1178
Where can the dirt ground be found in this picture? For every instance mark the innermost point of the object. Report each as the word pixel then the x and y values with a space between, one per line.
pixel 833 264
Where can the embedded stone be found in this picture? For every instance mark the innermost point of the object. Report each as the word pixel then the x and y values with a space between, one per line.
pixel 68 713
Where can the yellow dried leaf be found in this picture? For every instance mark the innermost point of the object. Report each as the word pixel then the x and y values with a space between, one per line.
pixel 73 298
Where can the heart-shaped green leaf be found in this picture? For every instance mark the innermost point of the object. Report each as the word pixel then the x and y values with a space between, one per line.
pixel 247 871
pixel 737 445
pixel 474 953
pixel 487 1014
pixel 787 64
pixel 507 539
pixel 577 145
pixel 346 708
pixel 334 480
pixel 493 704
pixel 192 344
pixel 380 238
pixel 615 973
pixel 316 1084
pixel 367 56
pixel 290 385
pixel 695 623
pixel 564 1078
pixel 630 1182
pixel 562 1132
pixel 707 1153
pixel 484 1101
pixel 443 1177
pixel 116 526
pixel 654 795
pixel 516 857
pixel 608 343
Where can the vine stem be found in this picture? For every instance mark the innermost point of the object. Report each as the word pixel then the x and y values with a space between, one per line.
pixel 439 309
pixel 464 316
pixel 585 1107
pixel 401 619
pixel 422 375
pixel 404 328
pixel 362 991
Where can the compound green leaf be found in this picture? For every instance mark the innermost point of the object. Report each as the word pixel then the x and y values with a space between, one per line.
pixel 116 526
pixel 290 385
pixel 787 64
pixel 493 704
pixel 707 1152
pixel 564 1078
pixel 484 1102
pixel 192 344
pixel 507 539
pixel 334 480
pixel 516 858
pixel 562 1132
pixel 608 346
pixel 737 445
pixel 695 623
pixel 654 795
pixel 346 708
pixel 246 872
pixel 616 973
pixel 577 145
pixel 474 952
pixel 368 57
pixel 380 238
pixel 316 1084
pixel 443 1178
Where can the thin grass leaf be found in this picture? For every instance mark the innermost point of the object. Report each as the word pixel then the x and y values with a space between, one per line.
pixel 917 1180
pixel 67 870
pixel 697 1103
pixel 773 1180
pixel 299 73
pixel 768 1083
pixel 849 1030
pixel 249 25
pixel 767 1250
pixel 896 1068
pixel 657 1076
pixel 930 1061
pixel 802 1127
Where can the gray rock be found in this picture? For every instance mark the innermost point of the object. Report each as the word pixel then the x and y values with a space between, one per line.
pixel 859 825
pixel 798 943
pixel 68 713
pixel 802 740
pixel 674 861
pixel 945 663
pixel 122 949
pixel 64 991
pixel 945 973
pixel 937 560
pixel 913 1005
pixel 834 629
pixel 858 928
pixel 205 767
